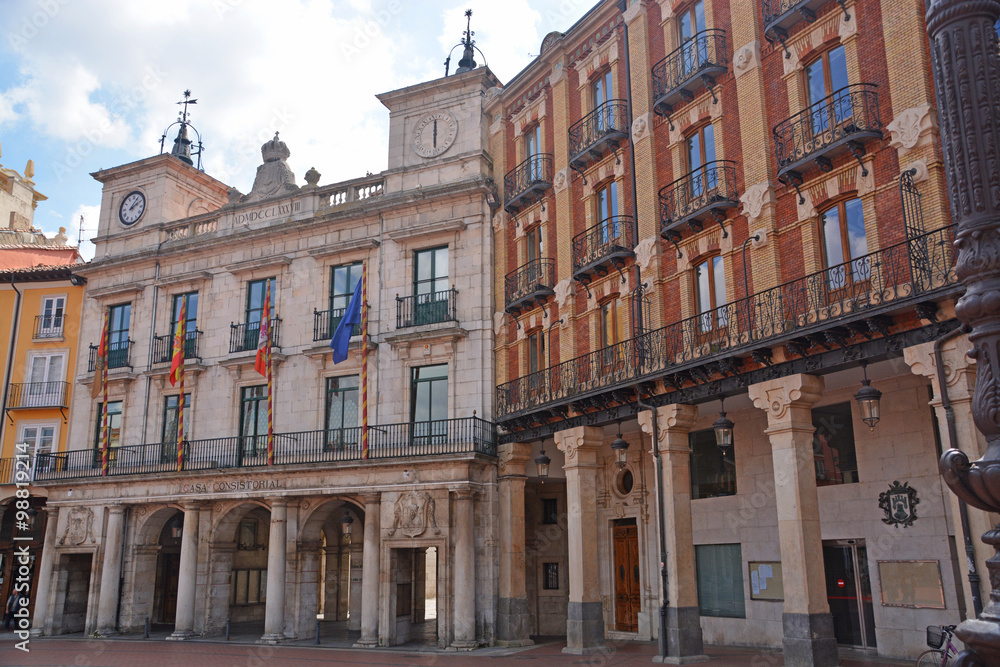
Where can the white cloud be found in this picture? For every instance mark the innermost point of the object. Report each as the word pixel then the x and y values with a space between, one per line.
pixel 91 215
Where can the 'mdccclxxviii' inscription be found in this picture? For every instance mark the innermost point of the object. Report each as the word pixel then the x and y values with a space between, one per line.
pixel 276 211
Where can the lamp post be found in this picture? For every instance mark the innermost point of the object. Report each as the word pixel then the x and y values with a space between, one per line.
pixel 869 400
pixel 966 69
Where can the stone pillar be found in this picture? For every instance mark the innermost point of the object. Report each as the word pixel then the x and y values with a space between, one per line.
pixel 514 619
pixel 683 620
pixel 307 596
pixel 111 571
pixel 188 575
pixel 806 621
pixel 370 573
pixel 40 623
pixel 584 614
pixel 274 610
pixel 354 583
pixel 465 572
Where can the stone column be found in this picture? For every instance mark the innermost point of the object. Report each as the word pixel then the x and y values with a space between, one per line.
pixel 111 570
pixel 465 572
pixel 370 573
pixel 353 583
pixel 309 577
pixel 274 610
pixel 513 621
pixel 40 623
pixel 683 620
pixel 806 621
pixel 584 614
pixel 188 575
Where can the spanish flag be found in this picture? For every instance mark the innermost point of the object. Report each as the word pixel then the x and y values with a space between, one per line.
pixel 101 363
pixel 177 360
pixel 264 341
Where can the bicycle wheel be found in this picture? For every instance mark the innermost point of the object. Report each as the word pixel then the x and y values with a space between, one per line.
pixel 933 658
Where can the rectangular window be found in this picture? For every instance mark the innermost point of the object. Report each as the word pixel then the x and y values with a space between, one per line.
pixel 255 301
pixel 601 89
pixel 344 280
pixel 341 411
pixel 44 387
pixel 40 440
pixel 533 147
pixel 720 580
pixel 248 587
pixel 607 214
pixel 114 424
pixel 253 420
pixel 550 510
pixel 550 576
pixel 53 311
pixel 535 243
pixel 845 240
pixel 119 320
pixel 612 330
pixel 713 471
pixel 825 76
pixel 190 322
pixel 429 404
pixel 536 351
pixel 430 285
pixel 833 445
pixel 710 293
pixel 168 434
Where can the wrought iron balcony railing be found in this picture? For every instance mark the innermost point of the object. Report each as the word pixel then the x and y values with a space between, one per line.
pixel 529 285
pixel 412 311
pixel 877 283
pixel 38 395
pixel 605 244
pixel 605 127
pixel 244 337
pixel 7 471
pixel 693 64
pixel 781 15
pixel 709 190
pixel 119 356
pixel 527 182
pixel 325 322
pixel 436 438
pixel 839 122
pixel 48 326
pixel 163 347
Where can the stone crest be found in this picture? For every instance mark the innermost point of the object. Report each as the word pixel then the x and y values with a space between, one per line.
pixel 746 58
pixel 413 514
pixel 899 504
pixel 79 526
pixel 910 125
pixel 754 199
pixel 274 177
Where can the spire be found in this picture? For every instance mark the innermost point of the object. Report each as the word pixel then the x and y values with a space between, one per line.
pixel 182 145
pixel 468 61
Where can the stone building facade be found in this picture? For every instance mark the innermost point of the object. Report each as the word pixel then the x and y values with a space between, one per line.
pixel 321 531
pixel 710 201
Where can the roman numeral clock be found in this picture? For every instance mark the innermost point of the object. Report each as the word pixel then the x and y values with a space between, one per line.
pixel 434 133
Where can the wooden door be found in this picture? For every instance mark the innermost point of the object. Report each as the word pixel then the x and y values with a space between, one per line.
pixel 171 573
pixel 627 598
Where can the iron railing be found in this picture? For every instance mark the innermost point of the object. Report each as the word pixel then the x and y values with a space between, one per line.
pixel 245 336
pixel 436 438
pixel 48 326
pixel 37 395
pixel 851 112
pixel 163 347
pixel 609 120
pixel 7 471
pixel 712 185
pixel 325 322
pixel 878 281
pixel 705 51
pixel 430 308
pixel 119 356
pixel 538 275
pixel 535 172
pixel 614 236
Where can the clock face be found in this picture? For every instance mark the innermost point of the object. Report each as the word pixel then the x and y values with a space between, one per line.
pixel 132 208
pixel 434 133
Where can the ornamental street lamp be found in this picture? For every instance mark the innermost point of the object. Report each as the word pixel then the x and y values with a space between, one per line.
pixel 542 461
pixel 620 447
pixel 723 428
pixel 868 398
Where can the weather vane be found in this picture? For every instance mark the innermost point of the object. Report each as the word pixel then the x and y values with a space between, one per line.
pixel 183 116
pixel 468 61
pixel 183 148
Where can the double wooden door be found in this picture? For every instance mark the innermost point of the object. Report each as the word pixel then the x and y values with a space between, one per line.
pixel 627 596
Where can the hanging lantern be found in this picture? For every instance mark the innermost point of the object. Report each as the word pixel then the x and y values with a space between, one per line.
pixel 723 427
pixel 868 398
pixel 176 526
pixel 620 447
pixel 543 461
pixel 345 523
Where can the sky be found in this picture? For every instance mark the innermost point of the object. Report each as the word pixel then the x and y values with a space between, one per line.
pixel 90 84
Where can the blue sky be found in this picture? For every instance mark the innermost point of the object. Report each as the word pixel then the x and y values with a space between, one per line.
pixel 89 84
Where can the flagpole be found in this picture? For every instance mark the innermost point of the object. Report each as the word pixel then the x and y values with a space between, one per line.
pixel 104 380
pixel 364 360
pixel 267 357
pixel 182 326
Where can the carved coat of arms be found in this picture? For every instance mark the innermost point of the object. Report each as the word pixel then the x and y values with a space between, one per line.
pixel 413 514
pixel 79 526
pixel 899 504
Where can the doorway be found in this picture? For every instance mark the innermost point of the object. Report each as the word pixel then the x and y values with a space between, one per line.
pixel 77 592
pixel 627 590
pixel 849 592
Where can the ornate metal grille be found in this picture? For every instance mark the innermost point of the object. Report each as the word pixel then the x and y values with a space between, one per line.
pixel 611 118
pixel 711 185
pixel 608 237
pixel 704 50
pixel 535 276
pixel 536 171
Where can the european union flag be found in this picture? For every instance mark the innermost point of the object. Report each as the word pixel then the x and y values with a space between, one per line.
pixel 342 336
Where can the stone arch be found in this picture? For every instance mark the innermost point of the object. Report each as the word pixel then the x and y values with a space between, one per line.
pixel 222 555
pixel 148 527
pixel 143 551
pixel 228 518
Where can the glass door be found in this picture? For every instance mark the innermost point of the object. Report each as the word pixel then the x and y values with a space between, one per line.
pixel 849 591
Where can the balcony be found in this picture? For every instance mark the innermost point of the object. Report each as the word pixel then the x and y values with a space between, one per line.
pixel 446 437
pixel 605 128
pixel 526 183
pixel 694 64
pixel 707 192
pixel 530 285
pixel 27 395
pixel 244 337
pixel 325 322
pixel 604 246
pixel 818 133
pixel 48 326
pixel 781 15
pixel 843 299
pixel 119 356
pixel 163 347
pixel 413 311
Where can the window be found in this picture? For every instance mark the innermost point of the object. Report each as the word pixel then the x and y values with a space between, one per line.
pixel 248 587
pixel 39 439
pixel 248 534
pixel 536 351
pixel 255 302
pixel 833 445
pixel 190 322
pixel 429 404
pixel 720 580
pixel 253 420
pixel 607 213
pixel 341 411
pixel 550 511
pixel 430 285
pixel 825 76
pixel 844 240
pixel 700 146
pixel 690 22
pixel 45 380
pixel 611 323
pixel 51 318
pixel 533 147
pixel 114 425
pixel 710 291
pixel 168 436
pixel 535 243
pixel 602 91
pixel 550 576
pixel 713 472
pixel 119 319
pixel 344 280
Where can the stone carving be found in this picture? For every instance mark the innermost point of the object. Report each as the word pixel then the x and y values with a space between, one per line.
pixel 79 526
pixel 645 251
pixel 806 208
pixel 791 62
pixel 899 504
pixel 491 94
pixel 911 125
pixel 848 26
pixel 746 58
pixel 413 514
pixel 274 177
pixel 640 127
pixel 921 171
pixel 866 184
pixel 499 320
pixel 234 195
pixel 776 396
pixel 564 289
pixel 550 40
pixel 754 199
pixel 312 177
pixel 560 181
pixel 29 170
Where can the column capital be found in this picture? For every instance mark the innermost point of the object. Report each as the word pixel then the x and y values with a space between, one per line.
pixel 959 370
pixel 117 508
pixel 635 10
pixel 277 501
pixel 776 396
pixel 676 419
pixel 513 456
pixel 373 498
pixel 463 493
pixel 579 443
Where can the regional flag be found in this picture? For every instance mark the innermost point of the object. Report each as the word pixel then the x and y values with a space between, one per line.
pixel 177 359
pixel 352 316
pixel 101 364
pixel 264 341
